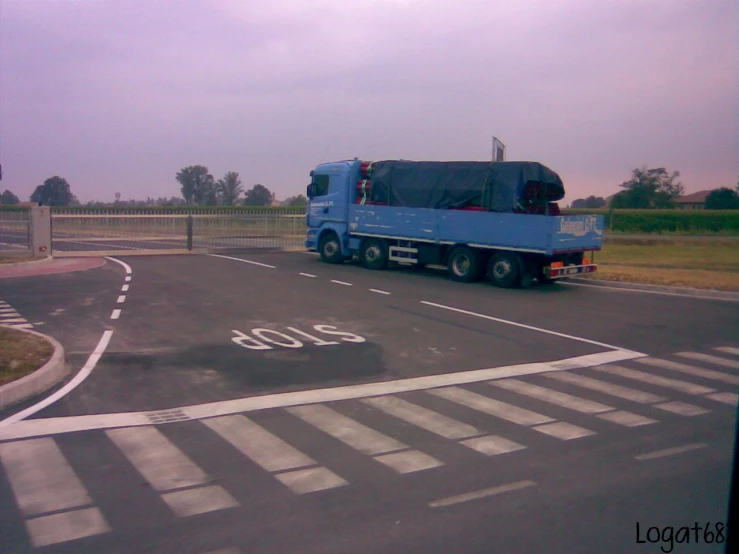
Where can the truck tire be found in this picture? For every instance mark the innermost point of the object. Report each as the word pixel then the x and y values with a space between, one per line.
pixel 330 249
pixel 374 254
pixel 504 270
pixel 463 264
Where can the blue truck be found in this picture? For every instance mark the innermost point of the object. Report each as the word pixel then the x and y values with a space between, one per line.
pixel 498 220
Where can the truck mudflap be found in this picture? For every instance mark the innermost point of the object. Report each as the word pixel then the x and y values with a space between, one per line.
pixel 558 270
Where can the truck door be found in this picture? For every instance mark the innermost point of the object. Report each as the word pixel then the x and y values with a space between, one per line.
pixel 328 198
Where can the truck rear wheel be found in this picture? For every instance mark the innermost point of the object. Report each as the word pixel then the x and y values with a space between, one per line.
pixel 504 270
pixel 374 254
pixel 331 249
pixel 464 264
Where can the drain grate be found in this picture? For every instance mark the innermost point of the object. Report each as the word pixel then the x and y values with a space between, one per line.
pixel 167 416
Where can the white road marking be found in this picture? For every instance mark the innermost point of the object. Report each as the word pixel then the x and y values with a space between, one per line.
pixel 8 311
pixel 627 419
pixel 553 397
pixel 161 463
pixel 489 406
pixel 682 408
pixel 728 350
pixel 618 391
pixel 718 360
pixel 57 425
pixel 379 291
pixel 66 389
pixel 67 526
pixel 124 288
pixel 350 432
pixel 422 417
pixel 241 260
pixel 682 386
pixel 691 370
pixel 14 320
pixel 521 325
pixel 21 325
pixel 408 461
pixel 564 431
pixel 341 283
pixel 306 275
pixel 671 451
pixel 200 500
pixel 492 491
pixel 258 444
pixel 492 445
pixel 124 264
pixel 642 291
pixel 41 478
pixel 116 314
pixel 303 481
pixel 726 397
pixel 121 299
pixel 128 278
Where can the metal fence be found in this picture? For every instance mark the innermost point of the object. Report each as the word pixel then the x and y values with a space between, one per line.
pixel 15 231
pixel 160 229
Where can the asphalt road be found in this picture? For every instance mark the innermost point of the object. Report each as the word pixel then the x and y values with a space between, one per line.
pixel 194 432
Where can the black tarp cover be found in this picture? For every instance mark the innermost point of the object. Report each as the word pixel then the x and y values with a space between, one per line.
pixel 495 186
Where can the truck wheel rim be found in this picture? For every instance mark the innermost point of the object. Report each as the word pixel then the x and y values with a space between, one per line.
pixel 461 265
pixel 372 254
pixel 501 269
pixel 330 248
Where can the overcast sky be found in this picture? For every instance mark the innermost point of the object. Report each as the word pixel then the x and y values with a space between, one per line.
pixel 118 95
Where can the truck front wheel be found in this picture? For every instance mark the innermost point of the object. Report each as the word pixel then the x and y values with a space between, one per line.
pixel 464 264
pixel 504 270
pixel 331 249
pixel 374 254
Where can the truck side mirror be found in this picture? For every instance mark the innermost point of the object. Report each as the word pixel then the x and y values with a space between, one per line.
pixel 311 190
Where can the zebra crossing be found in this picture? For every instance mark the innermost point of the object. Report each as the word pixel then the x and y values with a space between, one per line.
pixel 9 316
pixel 52 499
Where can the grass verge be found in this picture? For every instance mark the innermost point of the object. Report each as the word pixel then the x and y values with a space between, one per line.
pixel 21 354
pixel 710 265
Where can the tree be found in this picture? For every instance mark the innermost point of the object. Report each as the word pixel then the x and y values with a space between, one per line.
pixel 296 201
pixel 8 198
pixel 54 192
pixel 197 184
pixel 591 202
pixel 229 188
pixel 724 198
pixel 649 188
pixel 258 195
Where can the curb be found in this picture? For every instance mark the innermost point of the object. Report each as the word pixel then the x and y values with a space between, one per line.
pixel 50 374
pixel 639 287
pixel 30 262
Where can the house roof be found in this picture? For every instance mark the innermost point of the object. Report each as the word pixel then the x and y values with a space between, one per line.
pixel 695 198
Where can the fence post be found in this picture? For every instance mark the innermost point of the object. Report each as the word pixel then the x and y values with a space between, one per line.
pixel 189 232
pixel 40 221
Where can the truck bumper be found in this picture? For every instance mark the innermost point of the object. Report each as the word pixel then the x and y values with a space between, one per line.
pixel 568 271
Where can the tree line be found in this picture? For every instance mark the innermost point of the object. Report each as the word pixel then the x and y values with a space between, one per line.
pixel 657 189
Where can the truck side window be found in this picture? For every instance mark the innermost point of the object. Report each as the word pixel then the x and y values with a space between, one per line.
pixel 321 182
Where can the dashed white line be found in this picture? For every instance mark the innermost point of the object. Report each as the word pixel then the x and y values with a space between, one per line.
pixel 671 451
pixel 124 288
pixel 492 491
pixel 379 291
pixel 341 283
pixel 121 299
pixel 116 314
pixel 306 275
pixel 128 278
pixel 241 260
